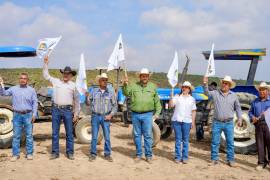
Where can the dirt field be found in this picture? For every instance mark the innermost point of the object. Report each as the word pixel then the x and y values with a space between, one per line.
pixel 123 166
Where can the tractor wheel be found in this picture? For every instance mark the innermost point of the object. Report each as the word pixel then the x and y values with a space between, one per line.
pixel 6 140
pixel 244 137
pixel 155 134
pixel 165 130
pixel 83 131
pixel 6 116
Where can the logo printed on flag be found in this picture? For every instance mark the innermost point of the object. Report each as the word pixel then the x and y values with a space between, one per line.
pixel 46 45
pixel 117 55
pixel 210 71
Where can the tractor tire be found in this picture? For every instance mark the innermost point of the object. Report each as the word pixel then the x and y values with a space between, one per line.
pixel 6 116
pixel 155 134
pixel 246 145
pixel 6 140
pixel 83 131
pixel 165 130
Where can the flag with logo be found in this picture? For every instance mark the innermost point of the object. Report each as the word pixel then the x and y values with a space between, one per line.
pixel 117 55
pixel 173 71
pixel 46 45
pixel 81 82
pixel 211 64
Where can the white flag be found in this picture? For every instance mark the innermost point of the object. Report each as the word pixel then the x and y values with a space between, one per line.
pixel 117 54
pixel 267 117
pixel 46 45
pixel 173 71
pixel 211 64
pixel 81 82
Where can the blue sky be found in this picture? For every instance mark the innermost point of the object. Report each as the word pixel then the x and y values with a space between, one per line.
pixel 152 30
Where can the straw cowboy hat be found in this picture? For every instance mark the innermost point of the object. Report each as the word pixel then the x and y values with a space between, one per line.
pixel 67 69
pixel 229 80
pixel 101 76
pixel 263 85
pixel 188 84
pixel 144 71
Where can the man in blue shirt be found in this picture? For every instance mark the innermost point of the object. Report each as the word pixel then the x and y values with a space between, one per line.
pixel 24 103
pixel 256 114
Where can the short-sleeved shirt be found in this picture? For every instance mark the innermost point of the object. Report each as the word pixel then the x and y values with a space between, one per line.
pixel 184 105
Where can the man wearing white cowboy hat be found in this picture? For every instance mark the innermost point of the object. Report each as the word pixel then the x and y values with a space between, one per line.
pixel 257 117
pixel 66 106
pixel 145 107
pixel 103 106
pixel 225 104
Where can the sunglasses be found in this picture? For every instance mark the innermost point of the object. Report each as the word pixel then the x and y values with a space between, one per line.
pixel 225 83
pixel 185 87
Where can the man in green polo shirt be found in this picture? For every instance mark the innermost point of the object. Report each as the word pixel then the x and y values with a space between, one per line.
pixel 145 107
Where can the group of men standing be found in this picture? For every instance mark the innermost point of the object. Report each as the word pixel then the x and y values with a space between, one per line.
pixel 145 107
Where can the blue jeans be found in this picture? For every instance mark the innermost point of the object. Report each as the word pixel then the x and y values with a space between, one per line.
pixel 228 129
pixel 67 116
pixel 21 121
pixel 142 125
pixel 96 121
pixel 181 131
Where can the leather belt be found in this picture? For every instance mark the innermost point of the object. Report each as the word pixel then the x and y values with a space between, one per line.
pixel 62 106
pixel 99 114
pixel 142 112
pixel 23 112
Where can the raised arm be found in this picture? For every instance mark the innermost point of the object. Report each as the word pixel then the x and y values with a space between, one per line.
pixel 206 88
pixel 4 92
pixel 127 87
pixel 46 74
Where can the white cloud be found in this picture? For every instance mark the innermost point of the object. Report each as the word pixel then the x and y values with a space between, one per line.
pixel 230 24
pixel 25 26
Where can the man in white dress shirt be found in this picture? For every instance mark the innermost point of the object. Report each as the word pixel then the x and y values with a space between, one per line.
pixel 66 106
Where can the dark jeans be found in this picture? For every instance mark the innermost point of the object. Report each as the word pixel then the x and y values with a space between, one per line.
pixel 67 116
pixel 96 122
pixel 263 142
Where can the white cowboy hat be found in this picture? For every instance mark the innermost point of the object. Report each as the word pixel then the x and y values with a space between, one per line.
pixel 188 84
pixel 262 85
pixel 229 80
pixel 102 75
pixel 144 71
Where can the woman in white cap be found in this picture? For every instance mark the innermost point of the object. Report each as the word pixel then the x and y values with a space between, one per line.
pixel 183 120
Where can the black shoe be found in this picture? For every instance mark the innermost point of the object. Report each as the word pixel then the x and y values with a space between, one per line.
pixel 109 158
pixel 92 158
pixel 54 156
pixel 70 156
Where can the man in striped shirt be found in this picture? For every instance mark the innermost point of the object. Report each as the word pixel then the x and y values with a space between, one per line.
pixel 225 103
pixel 103 106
